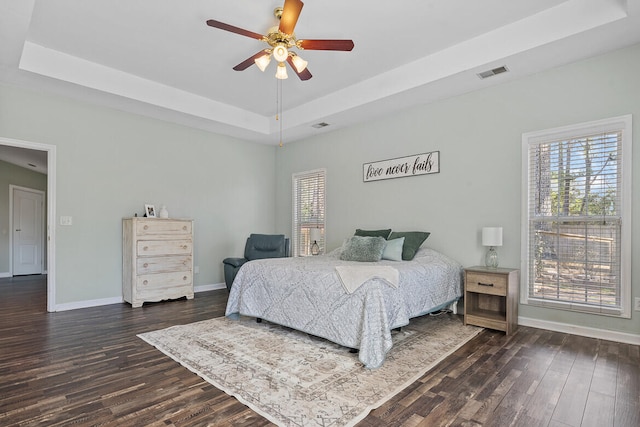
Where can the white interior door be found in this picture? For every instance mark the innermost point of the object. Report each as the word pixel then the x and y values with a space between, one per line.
pixel 28 235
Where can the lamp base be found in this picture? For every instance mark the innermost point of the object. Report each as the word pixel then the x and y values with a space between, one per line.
pixel 491 258
pixel 315 249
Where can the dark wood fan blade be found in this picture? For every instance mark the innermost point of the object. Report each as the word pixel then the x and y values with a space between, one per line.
pixel 304 75
pixel 345 45
pixel 290 13
pixel 249 61
pixel 231 28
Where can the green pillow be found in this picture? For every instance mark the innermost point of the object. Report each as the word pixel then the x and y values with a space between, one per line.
pixel 393 249
pixel 373 233
pixel 412 242
pixel 363 249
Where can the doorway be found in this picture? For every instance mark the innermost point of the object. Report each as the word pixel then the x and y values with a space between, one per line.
pixel 50 229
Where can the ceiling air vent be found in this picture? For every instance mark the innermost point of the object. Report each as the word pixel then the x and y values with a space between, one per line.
pixel 493 72
pixel 320 125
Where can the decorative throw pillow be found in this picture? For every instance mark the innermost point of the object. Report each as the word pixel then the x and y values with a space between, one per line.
pixel 373 233
pixel 412 242
pixel 364 249
pixel 393 249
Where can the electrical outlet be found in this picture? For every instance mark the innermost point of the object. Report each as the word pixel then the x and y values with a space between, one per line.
pixel 636 306
pixel 66 220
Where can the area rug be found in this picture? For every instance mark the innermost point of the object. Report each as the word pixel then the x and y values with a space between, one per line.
pixel 294 379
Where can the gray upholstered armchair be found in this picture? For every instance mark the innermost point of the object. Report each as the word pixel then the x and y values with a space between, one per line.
pixel 258 246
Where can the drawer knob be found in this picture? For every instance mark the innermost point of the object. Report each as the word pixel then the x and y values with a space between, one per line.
pixel 184 246
pixel 146 227
pixel 145 282
pixel 485 284
pixel 145 265
pixel 184 277
pixel 184 227
pixel 145 248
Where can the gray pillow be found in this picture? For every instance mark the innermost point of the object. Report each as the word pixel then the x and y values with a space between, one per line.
pixel 363 249
pixel 412 242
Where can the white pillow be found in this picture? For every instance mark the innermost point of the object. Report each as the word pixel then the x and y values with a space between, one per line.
pixel 393 249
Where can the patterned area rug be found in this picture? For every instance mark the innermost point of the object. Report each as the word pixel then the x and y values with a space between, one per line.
pixel 294 379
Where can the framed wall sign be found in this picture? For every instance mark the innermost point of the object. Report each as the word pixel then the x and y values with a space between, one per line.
pixel 418 164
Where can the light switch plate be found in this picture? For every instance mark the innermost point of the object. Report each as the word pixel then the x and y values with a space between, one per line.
pixel 66 220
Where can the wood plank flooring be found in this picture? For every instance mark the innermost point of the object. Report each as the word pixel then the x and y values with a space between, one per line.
pixel 87 368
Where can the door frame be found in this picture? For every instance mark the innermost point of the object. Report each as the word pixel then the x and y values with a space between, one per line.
pixel 12 189
pixel 50 232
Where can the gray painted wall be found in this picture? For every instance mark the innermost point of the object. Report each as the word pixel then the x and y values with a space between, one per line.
pixel 479 137
pixel 110 163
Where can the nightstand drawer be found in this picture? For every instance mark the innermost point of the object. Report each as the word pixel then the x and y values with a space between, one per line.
pixel 492 284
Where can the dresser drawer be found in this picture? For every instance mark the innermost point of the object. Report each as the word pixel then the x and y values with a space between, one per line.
pixel 154 282
pixel 163 247
pixel 161 226
pixel 163 264
pixel 493 284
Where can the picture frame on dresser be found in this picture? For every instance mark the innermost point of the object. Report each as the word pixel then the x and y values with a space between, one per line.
pixel 149 211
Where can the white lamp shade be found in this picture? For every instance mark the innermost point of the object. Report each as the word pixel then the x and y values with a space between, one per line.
pixel 299 63
pixel 315 235
pixel 281 71
pixel 263 61
pixel 492 236
pixel 280 53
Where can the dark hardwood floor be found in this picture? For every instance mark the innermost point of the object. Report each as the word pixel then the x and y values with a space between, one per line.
pixel 87 367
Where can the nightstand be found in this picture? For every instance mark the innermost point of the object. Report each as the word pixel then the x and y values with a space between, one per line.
pixel 491 297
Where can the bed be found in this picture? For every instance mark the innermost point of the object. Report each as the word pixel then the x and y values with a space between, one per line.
pixel 309 294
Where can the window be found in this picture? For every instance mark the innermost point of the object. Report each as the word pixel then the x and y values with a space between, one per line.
pixel 577 211
pixel 308 211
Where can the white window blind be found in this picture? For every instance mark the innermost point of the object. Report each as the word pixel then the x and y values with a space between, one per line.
pixel 309 191
pixel 577 210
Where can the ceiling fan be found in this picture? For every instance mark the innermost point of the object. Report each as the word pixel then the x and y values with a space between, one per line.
pixel 281 40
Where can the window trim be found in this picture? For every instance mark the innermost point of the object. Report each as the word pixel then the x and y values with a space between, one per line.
pixel 620 123
pixel 294 232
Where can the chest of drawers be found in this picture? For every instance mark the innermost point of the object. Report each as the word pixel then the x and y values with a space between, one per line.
pixel 157 259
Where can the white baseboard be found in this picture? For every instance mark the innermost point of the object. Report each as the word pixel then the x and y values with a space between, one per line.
pixel 212 287
pixel 86 304
pixel 2 275
pixel 584 331
pixel 117 300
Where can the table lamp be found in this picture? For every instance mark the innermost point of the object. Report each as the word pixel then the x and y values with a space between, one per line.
pixel 492 237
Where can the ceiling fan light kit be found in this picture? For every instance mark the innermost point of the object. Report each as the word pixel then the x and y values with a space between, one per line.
pixel 299 63
pixel 281 40
pixel 263 61
pixel 281 71
pixel 280 53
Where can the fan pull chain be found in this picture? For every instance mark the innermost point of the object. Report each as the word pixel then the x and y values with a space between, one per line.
pixel 279 107
pixel 277 101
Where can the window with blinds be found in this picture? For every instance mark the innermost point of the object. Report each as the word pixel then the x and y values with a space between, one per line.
pixel 577 233
pixel 309 191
